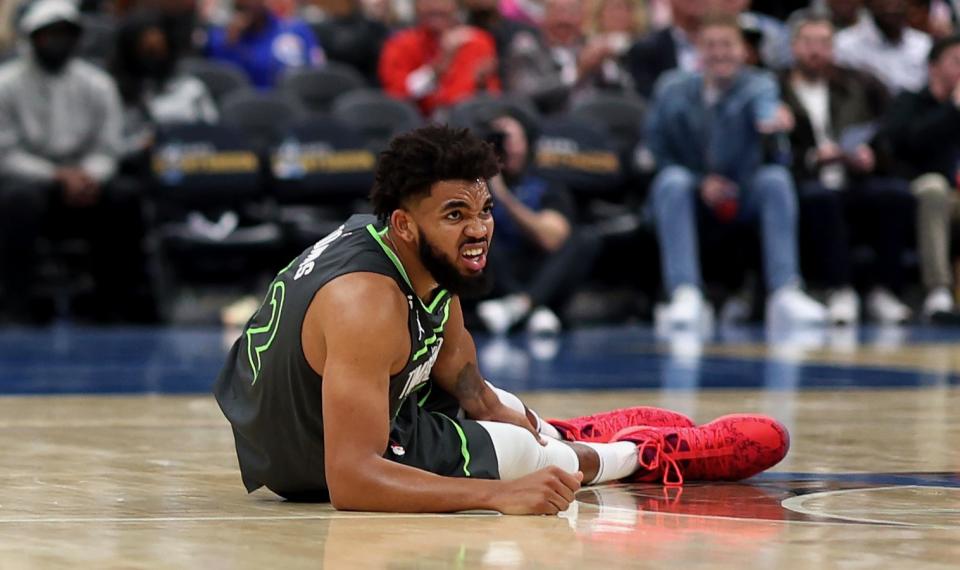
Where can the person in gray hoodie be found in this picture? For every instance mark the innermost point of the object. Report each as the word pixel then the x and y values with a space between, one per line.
pixel 60 137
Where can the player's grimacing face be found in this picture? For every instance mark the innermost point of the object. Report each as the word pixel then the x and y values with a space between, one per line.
pixel 454 226
pixel 456 220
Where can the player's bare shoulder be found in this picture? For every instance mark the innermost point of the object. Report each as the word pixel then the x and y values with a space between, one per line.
pixel 362 312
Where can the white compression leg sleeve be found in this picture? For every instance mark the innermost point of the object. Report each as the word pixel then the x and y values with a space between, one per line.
pixel 511 401
pixel 617 460
pixel 519 454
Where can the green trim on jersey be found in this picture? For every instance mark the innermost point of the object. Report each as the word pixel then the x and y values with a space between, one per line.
pixel 433 339
pixel 276 296
pixel 403 272
pixel 423 400
pixel 289 265
pixel 436 301
pixel 464 450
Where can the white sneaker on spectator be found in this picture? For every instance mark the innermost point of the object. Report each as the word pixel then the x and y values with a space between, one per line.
pixel 938 301
pixel 500 314
pixel 686 307
pixel 789 306
pixel 884 307
pixel 843 307
pixel 543 321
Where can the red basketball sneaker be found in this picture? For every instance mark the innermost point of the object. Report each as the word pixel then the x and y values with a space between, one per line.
pixel 600 428
pixel 729 448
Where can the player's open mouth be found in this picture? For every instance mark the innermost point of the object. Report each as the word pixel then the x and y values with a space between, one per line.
pixel 474 255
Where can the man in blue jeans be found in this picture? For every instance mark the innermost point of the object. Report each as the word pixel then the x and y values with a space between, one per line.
pixel 706 131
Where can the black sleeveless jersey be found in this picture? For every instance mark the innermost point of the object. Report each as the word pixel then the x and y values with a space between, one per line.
pixel 268 391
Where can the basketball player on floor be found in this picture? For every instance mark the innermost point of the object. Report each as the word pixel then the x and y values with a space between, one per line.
pixel 356 381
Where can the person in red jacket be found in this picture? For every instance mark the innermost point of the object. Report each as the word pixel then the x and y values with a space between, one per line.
pixel 439 62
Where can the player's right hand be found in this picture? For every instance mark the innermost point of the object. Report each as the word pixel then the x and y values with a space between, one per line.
pixel 544 492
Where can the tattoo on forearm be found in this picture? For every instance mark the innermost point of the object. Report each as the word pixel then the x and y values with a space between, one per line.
pixel 470 383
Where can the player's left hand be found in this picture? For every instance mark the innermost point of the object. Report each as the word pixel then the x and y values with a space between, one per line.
pixel 507 415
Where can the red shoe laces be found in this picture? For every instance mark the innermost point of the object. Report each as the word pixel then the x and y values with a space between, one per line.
pixel 656 442
pixel 701 444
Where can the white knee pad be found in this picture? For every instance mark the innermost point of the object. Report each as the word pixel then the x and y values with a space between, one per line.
pixel 519 454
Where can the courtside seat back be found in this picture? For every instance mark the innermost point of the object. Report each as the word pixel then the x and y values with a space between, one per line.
pixel 580 155
pixel 376 115
pixel 205 167
pixel 476 112
pixel 220 77
pixel 320 172
pixel 321 160
pixel 317 88
pixel 622 115
pixel 263 117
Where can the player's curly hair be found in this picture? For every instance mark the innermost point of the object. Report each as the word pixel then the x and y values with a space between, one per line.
pixel 417 160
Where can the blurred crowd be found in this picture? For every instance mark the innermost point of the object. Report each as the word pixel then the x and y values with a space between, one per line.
pixel 681 160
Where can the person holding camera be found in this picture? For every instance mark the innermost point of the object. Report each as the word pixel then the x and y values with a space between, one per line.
pixel 541 256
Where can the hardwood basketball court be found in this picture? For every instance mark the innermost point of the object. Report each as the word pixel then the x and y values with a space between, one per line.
pixel 114 456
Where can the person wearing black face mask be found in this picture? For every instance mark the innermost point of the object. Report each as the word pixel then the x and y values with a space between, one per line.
pixel 153 92
pixel 60 138
pixel 54 45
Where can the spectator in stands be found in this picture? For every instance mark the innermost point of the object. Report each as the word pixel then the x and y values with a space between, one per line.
pixel 263 44
pixel 154 93
pixel 180 18
pixel 540 256
pixel 510 36
pixel 705 131
pixel 439 62
pixel 843 13
pixel 774 48
pixel 836 170
pixel 932 17
pixel 60 136
pixel 528 12
pixel 617 24
pixel 621 21
pixel 387 12
pixel 882 45
pixel 349 36
pixel 570 65
pixel 923 129
pixel 669 48
pixel 8 28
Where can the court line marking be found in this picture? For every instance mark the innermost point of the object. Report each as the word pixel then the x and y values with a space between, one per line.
pixel 219 518
pixel 796 504
pixel 887 524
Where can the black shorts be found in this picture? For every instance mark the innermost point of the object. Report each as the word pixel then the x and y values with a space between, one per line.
pixel 428 435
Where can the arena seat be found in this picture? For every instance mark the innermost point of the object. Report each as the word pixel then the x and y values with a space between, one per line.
pixel 220 78
pixel 582 155
pixel 376 115
pixel 321 172
pixel 209 219
pixel 475 112
pixel 622 115
pixel 316 88
pixel 262 116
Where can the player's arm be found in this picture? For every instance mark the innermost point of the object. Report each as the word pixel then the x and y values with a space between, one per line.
pixel 458 372
pixel 363 342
